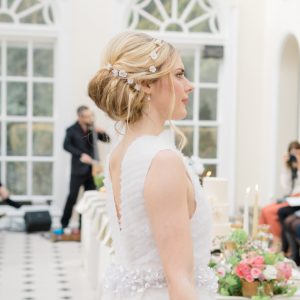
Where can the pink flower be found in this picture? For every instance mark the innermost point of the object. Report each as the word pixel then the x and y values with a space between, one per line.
pixel 242 270
pixel 255 272
pixel 284 271
pixel 249 278
pixel 258 262
pixel 221 271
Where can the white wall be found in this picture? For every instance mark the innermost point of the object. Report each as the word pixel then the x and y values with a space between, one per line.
pixel 249 95
pixel 288 101
pixel 264 27
pixel 282 21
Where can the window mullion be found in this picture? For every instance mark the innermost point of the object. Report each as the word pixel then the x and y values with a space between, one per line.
pixel 29 116
pixel 197 102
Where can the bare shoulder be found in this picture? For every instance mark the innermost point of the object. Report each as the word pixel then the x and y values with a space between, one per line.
pixel 166 160
pixel 166 169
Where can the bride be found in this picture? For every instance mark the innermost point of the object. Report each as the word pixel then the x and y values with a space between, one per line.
pixel 159 217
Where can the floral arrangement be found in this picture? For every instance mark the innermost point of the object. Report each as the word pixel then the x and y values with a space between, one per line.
pixel 246 269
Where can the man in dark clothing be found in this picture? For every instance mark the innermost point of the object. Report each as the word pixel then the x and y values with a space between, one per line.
pixel 80 142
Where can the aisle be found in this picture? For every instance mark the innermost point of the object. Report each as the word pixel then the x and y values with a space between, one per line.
pixel 33 268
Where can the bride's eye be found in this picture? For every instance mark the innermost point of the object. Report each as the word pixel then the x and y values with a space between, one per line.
pixel 180 75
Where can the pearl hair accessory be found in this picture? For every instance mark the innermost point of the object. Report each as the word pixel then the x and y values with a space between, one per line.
pixel 124 75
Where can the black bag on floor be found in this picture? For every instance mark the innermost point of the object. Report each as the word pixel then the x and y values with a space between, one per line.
pixel 37 221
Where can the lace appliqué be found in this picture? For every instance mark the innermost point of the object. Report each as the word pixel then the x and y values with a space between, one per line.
pixel 124 281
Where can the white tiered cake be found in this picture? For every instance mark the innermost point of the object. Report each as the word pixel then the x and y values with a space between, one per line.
pixel 216 190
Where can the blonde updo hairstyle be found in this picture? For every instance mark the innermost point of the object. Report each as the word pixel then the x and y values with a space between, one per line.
pixel 130 52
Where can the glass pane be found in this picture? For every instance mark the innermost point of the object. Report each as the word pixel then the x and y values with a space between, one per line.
pixel 16 98
pixel 43 62
pixel 190 107
pixel 152 9
pixel 201 27
pixel 174 27
pixel 188 59
pixel 168 6
pixel 16 178
pixel 196 12
pixel 145 24
pixel 16 61
pixel 5 18
pixel 209 69
pixel 208 104
pixel 181 6
pixel 35 17
pixel 42 139
pixel 25 4
pixel 16 139
pixel 189 134
pixel 10 2
pixel 42 178
pixel 208 142
pixel 211 168
pixel 43 99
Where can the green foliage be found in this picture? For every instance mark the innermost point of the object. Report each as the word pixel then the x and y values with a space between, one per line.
pixel 230 285
pixel 234 259
pixel 239 236
pixel 272 258
pixel 99 181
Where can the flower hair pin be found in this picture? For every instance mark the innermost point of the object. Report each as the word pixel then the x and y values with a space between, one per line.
pixel 123 75
pixel 152 69
pixel 158 42
pixel 154 55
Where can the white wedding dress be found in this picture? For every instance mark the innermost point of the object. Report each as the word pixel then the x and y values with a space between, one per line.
pixel 137 273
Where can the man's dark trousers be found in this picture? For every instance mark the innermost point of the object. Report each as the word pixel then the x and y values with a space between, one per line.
pixel 75 183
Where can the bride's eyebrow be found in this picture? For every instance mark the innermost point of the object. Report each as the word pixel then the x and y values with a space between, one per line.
pixel 179 69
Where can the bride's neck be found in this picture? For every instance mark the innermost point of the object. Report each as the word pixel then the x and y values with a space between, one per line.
pixel 149 124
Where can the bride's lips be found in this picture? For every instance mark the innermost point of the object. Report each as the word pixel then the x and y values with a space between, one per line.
pixel 185 101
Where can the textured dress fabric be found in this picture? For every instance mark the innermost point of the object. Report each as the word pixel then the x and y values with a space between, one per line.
pixel 137 272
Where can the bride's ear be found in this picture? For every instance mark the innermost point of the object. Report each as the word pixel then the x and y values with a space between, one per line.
pixel 146 87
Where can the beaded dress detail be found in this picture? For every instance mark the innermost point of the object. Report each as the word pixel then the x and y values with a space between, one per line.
pixel 137 273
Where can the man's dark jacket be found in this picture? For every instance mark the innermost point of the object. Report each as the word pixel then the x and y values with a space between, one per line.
pixel 78 142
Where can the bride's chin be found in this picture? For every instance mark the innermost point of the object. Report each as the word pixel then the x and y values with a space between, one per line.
pixel 179 115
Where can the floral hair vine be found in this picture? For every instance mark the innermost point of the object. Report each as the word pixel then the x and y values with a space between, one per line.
pixel 124 75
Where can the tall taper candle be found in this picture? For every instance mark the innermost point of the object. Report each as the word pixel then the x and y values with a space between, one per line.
pixel 246 211
pixel 255 213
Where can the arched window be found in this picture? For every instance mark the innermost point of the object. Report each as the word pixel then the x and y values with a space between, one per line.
pixel 193 26
pixel 26 12
pixel 27 83
pixel 174 15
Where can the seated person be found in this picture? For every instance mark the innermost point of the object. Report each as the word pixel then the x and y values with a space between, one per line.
pixel 4 196
pixel 291 184
pixel 292 231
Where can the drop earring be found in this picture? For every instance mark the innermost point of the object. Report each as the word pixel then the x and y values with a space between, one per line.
pixel 148 97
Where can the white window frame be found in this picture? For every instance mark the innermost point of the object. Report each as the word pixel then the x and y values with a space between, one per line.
pixel 12 36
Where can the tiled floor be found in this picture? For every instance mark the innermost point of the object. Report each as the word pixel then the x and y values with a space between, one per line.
pixel 34 268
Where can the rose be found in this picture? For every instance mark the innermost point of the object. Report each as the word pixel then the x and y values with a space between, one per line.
pixel 255 273
pixel 258 262
pixel 249 278
pixel 284 271
pixel 270 272
pixel 242 270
